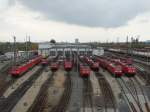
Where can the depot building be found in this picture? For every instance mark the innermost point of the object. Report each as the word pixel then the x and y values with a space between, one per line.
pixel 47 48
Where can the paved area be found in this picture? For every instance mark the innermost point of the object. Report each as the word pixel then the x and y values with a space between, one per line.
pixel 27 100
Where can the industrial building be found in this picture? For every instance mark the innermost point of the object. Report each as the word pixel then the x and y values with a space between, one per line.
pixel 47 48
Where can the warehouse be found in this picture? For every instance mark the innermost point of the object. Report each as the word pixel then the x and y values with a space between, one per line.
pixel 47 48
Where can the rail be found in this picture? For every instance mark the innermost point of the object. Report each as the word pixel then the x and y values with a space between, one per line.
pixel 64 101
pixel 7 104
pixel 109 99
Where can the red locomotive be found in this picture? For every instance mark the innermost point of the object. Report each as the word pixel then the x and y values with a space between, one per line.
pixel 68 65
pixel 128 69
pixel 103 63
pixel 54 66
pixel 95 66
pixel 116 70
pixel 84 70
pixel 88 60
pixel 127 60
pixel 112 67
pixel 44 62
pixel 19 70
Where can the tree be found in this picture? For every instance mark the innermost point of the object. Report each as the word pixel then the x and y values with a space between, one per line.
pixel 52 41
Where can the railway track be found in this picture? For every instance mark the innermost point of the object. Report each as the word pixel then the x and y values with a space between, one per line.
pixel 64 101
pixel 7 104
pixel 41 100
pixel 142 70
pixel 135 81
pixel 127 99
pixel 5 68
pixel 87 96
pixel 5 78
pixel 129 90
pixel 142 73
pixel 108 96
pixel 5 83
pixel 137 57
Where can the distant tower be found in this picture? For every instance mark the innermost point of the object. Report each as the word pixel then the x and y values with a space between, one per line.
pixel 76 40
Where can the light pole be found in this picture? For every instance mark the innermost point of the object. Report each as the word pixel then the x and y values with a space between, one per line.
pixel 14 51
pixel 29 53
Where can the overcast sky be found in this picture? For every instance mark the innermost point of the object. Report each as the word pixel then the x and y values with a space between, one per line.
pixel 65 20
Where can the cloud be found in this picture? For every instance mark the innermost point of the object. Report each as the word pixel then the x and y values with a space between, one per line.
pixel 91 13
pixel 20 18
pixel 5 4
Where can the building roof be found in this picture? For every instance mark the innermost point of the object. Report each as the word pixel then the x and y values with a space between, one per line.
pixel 48 45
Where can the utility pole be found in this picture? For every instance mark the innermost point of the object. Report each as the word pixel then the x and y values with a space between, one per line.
pixel 29 55
pixel 15 54
pixel 132 42
pixel 127 45
pixel 26 48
